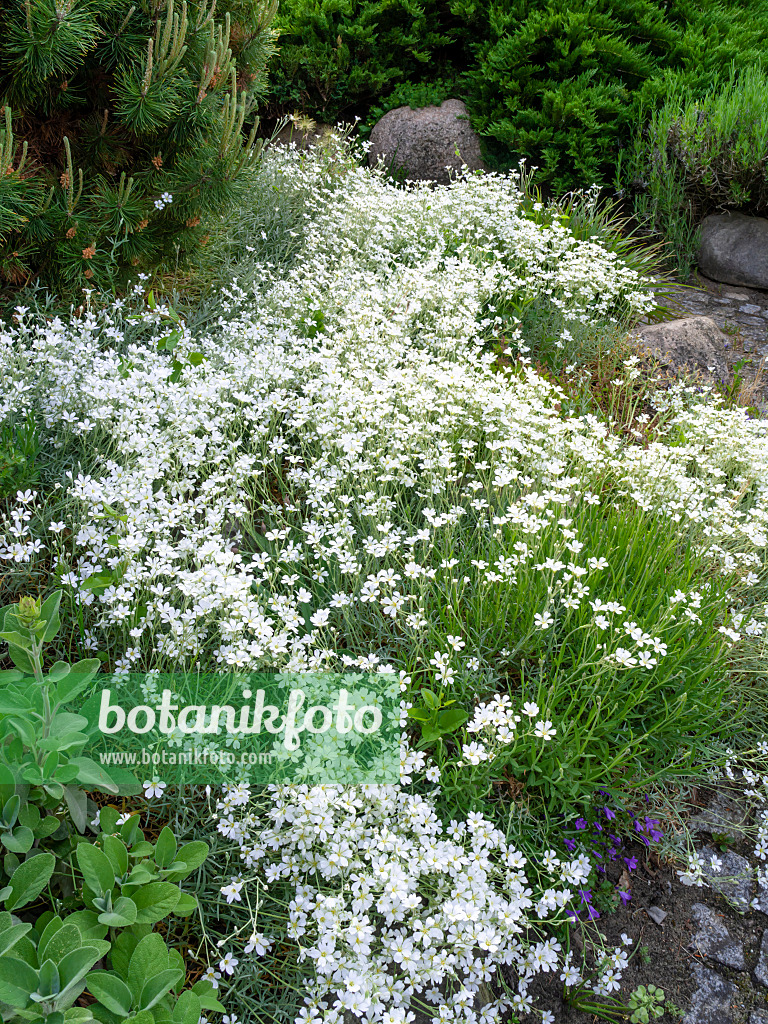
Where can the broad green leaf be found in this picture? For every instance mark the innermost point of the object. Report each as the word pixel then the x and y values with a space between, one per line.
pixel 123 913
pixel 117 853
pixel 62 941
pixel 430 699
pixel 76 1015
pixel 451 719
pixel 64 722
pixel 59 670
pixel 10 936
pixel 187 1009
pixel 196 358
pixel 21 659
pixel 13 636
pixel 50 765
pixel 95 867
pixel 10 675
pixel 111 992
pixel 49 612
pixel 148 958
pixel 17 982
pixel 155 901
pixel 47 826
pixel 90 774
pixel 77 804
pixel 29 879
pixel 154 989
pixel 20 840
pixel 14 703
pixel 192 855
pixel 420 714
pixel 48 982
pixel 187 904
pixel 76 964
pixel 165 848
pixel 205 992
pixel 108 819
pixel 88 925
pixel 7 784
pixel 80 675
pixel 11 810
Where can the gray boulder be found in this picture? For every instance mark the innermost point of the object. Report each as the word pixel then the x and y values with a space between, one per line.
pixel 734 249
pixel 694 343
pixel 424 143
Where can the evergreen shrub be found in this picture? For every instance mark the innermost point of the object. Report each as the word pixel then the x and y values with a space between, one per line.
pixel 121 136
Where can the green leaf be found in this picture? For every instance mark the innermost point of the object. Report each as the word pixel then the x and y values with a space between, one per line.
pixel 11 810
pixel 14 704
pixel 148 958
pixel 192 855
pixel 95 867
pixel 111 992
pixel 430 699
pixel 154 989
pixel 452 719
pixel 17 982
pixel 49 824
pixel 420 714
pixel 7 784
pixel 165 848
pixel 10 936
pixel 21 659
pixel 77 803
pixel 205 992
pixel 91 774
pixel 88 925
pixel 29 879
pixel 80 675
pixel 10 675
pixel 187 904
pixel 187 1009
pixel 75 1015
pixel 59 670
pixel 196 358
pixel 20 840
pixel 123 913
pixel 14 637
pixel 108 819
pixel 50 614
pixel 48 982
pixel 117 853
pixel 155 901
pixel 76 964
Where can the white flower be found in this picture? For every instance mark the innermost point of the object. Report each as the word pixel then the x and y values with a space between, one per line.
pixel 228 963
pixel 232 890
pixel 544 730
pixel 154 789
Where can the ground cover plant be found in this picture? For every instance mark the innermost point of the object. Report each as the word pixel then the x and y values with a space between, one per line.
pixel 376 447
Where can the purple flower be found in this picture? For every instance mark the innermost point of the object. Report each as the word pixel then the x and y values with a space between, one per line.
pixel 625 897
pixel 592 914
pixel 610 815
pixel 581 823
pixel 571 844
pixel 631 862
pixel 586 895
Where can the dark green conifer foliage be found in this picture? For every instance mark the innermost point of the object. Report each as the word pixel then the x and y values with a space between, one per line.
pixel 110 108
pixel 339 56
